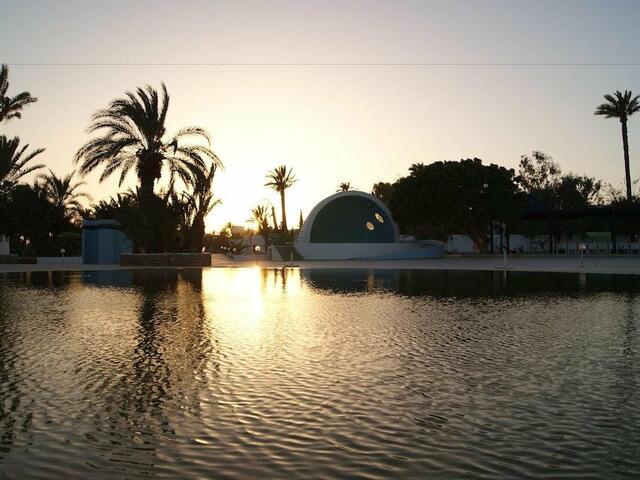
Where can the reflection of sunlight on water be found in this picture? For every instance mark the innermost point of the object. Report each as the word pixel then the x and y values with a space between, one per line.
pixel 238 299
pixel 250 305
pixel 234 298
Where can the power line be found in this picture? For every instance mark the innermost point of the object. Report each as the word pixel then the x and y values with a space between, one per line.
pixel 324 64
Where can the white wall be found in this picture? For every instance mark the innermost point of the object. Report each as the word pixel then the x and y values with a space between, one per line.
pixel 4 245
pixel 59 260
pixel 346 251
pixel 459 244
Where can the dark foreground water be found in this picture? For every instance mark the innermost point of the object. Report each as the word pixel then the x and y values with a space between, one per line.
pixel 336 374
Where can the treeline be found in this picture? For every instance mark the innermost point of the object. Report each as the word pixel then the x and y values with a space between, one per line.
pixel 44 216
pixel 472 198
pixel 467 197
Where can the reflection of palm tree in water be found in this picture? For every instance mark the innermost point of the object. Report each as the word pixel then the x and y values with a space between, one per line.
pixel 9 392
pixel 625 366
pixel 630 333
pixel 166 370
pixel 630 327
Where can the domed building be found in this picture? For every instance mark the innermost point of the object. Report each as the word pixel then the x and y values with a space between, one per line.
pixel 356 225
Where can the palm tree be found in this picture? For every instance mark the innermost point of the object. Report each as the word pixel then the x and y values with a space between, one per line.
pixel 621 106
pixel 190 210
pixel 14 160
pixel 133 137
pixel 64 194
pixel 344 187
pixel 274 219
pixel 280 180
pixel 260 216
pixel 11 107
pixel 182 206
pixel 204 202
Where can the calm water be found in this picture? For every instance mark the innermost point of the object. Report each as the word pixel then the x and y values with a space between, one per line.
pixel 335 374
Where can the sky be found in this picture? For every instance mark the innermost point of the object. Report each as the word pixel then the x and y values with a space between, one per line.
pixel 339 91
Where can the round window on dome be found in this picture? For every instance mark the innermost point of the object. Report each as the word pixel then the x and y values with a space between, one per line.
pixel 379 217
pixel 370 226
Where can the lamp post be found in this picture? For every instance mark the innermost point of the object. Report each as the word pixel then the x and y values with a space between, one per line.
pixel 582 247
pixel 256 250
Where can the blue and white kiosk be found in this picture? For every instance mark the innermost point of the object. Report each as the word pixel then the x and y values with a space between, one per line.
pixel 102 242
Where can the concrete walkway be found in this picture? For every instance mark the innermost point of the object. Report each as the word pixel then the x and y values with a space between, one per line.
pixel 618 264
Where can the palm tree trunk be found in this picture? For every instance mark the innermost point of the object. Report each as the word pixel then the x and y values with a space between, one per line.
pixel 197 234
pixel 150 243
pixel 284 213
pixel 273 218
pixel 627 169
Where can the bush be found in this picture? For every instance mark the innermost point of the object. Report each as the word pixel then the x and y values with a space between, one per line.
pixel 71 242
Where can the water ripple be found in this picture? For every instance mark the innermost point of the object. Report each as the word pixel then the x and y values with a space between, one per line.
pixel 323 374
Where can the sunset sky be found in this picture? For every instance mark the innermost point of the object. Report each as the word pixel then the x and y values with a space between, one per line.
pixel 340 91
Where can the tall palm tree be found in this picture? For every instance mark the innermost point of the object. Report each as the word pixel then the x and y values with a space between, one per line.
pixel 280 179
pixel 11 107
pixel 64 194
pixel 14 160
pixel 344 187
pixel 133 132
pixel 621 106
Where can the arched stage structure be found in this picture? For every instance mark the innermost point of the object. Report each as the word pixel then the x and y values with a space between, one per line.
pixel 357 225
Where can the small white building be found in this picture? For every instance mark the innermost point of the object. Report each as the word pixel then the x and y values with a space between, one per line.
pixel 457 243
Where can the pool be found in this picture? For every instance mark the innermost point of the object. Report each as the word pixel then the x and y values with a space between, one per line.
pixel 242 373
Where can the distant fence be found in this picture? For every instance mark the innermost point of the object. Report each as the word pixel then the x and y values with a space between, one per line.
pixel 591 248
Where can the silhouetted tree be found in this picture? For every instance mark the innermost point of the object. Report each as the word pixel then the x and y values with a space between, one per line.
pixel 274 219
pixel 133 137
pixel 538 172
pixel 183 208
pixel 28 218
pixel 203 202
pixel 621 106
pixel 383 191
pixel 344 187
pixel 11 107
pixel 456 197
pixel 14 161
pixel 280 179
pixel 260 216
pixel 542 179
pixel 126 209
pixel 64 194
